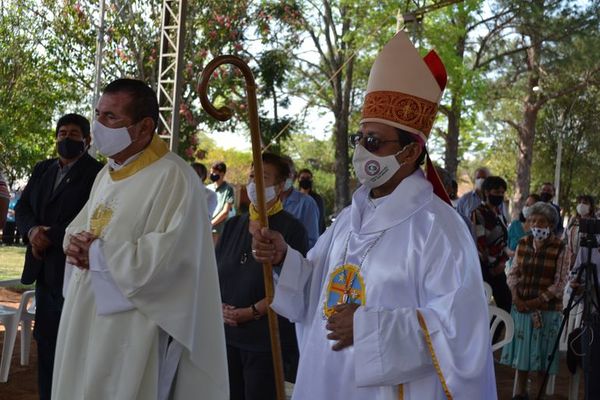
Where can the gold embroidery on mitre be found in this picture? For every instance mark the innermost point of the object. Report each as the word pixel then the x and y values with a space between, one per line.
pixel 401 108
pixel 100 219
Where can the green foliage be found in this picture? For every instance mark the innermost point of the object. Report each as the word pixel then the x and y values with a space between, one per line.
pixel 316 155
pixel 295 47
pixel 31 90
pixel 12 259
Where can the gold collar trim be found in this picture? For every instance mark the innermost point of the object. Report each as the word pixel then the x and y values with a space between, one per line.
pixel 155 151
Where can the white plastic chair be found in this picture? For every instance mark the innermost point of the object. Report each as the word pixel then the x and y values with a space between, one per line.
pixel 488 292
pixel 498 315
pixel 27 318
pixel 10 318
pixel 549 385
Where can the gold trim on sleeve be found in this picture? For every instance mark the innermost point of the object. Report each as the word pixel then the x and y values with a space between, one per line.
pixel 434 358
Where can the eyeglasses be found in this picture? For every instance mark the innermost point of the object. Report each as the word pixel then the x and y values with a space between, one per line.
pixel 371 143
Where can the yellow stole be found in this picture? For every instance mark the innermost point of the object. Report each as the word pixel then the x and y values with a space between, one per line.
pixel 275 208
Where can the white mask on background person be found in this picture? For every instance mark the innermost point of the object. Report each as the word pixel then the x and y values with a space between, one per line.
pixel 525 211
pixel 583 209
pixel 372 170
pixel 270 193
pixel 289 182
pixel 540 233
pixel 479 183
pixel 110 141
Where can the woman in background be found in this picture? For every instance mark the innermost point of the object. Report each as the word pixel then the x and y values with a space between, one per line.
pixel 536 281
pixel 519 227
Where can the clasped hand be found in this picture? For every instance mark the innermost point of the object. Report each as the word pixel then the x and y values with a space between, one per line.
pixel 341 325
pixel 234 316
pixel 39 241
pixel 78 250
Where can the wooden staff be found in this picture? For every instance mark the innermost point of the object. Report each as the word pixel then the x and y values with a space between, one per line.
pixel 223 114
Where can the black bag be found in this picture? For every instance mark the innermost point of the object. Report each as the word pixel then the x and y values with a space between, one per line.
pixel 574 350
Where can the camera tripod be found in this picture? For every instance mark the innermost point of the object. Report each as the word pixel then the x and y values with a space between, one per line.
pixel 589 297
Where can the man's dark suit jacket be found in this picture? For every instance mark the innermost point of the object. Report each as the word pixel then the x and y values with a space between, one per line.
pixel 41 205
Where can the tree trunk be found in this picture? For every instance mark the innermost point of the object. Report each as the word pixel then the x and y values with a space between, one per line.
pixel 526 128
pixel 452 135
pixel 342 95
pixel 526 133
pixel 455 113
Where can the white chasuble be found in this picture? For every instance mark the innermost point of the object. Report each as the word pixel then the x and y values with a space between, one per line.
pixel 422 331
pixel 152 274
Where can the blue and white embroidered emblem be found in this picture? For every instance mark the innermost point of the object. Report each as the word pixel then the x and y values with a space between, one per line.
pixel 346 286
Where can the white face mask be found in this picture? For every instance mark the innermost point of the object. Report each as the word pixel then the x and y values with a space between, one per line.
pixel 479 183
pixel 526 211
pixel 540 234
pixel 270 193
pixel 110 141
pixel 583 209
pixel 372 170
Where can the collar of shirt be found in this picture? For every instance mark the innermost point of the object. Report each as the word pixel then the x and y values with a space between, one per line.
pixel 115 166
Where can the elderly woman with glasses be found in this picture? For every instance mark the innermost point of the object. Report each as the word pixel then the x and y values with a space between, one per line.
pixel 536 280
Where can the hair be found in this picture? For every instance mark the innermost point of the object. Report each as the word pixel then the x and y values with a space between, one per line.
pixel 545 210
pixel 291 166
pixel 219 166
pixel 485 169
pixel 200 170
pixel 493 182
pixel 445 177
pixel 548 184
pixel 405 138
pixel 305 171
pixel 143 99
pixel 590 199
pixel 74 119
pixel 281 165
pixel 454 194
pixel 534 196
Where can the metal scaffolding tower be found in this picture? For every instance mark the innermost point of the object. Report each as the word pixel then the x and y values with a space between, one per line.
pixel 170 69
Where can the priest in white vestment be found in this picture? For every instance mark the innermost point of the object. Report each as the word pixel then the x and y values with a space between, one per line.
pixel 142 315
pixel 389 304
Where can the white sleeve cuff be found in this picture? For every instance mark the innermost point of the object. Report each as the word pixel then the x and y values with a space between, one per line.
pixel 108 296
pixel 389 348
pixel 289 292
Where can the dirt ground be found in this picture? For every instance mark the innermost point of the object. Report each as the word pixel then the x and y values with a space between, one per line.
pixel 22 380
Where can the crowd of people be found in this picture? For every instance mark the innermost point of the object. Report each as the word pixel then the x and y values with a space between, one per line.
pixel 149 284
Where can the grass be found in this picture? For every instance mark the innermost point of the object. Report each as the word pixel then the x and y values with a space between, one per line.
pixel 11 262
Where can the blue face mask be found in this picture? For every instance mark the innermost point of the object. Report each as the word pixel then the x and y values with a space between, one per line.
pixel 288 184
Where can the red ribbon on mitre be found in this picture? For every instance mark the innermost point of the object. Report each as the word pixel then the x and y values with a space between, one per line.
pixel 436 66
